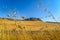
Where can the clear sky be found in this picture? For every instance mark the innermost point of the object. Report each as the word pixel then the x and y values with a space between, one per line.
pixel 31 8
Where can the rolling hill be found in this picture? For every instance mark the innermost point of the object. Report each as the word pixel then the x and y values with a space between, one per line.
pixel 28 30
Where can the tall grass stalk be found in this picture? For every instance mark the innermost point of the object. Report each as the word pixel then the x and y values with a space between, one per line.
pixel 8 15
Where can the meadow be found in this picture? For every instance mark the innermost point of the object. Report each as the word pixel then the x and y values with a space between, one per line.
pixel 28 30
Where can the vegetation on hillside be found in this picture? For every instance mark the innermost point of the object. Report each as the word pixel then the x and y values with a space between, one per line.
pixel 33 19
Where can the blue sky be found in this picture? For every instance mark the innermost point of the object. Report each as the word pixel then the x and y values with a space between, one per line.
pixel 31 8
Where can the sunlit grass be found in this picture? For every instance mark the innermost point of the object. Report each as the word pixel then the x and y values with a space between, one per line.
pixel 33 30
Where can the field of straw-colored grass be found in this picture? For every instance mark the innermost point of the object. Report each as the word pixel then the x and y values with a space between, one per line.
pixel 28 30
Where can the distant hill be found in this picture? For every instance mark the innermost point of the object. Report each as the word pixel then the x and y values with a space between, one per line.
pixel 54 22
pixel 27 19
pixel 33 19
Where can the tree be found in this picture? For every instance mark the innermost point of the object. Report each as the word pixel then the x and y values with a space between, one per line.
pixel 23 17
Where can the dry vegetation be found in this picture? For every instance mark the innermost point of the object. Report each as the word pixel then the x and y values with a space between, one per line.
pixel 28 30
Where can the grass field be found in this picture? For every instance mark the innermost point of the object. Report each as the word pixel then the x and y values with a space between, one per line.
pixel 28 30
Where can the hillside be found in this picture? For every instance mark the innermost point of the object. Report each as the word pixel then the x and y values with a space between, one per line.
pixel 28 30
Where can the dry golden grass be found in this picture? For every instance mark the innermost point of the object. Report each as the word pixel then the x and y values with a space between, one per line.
pixel 28 30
